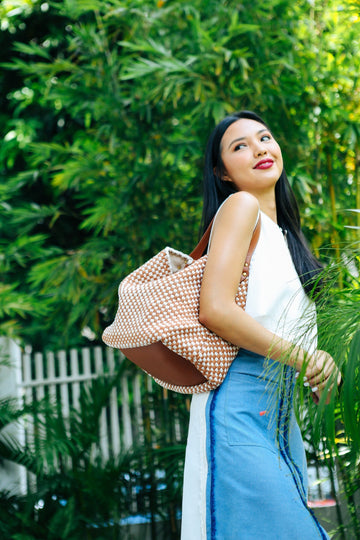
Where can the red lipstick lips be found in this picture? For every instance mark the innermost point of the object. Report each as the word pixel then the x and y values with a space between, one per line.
pixel 264 164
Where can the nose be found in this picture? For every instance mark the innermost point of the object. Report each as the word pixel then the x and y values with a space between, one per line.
pixel 260 150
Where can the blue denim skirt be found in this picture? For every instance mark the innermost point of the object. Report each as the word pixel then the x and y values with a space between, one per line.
pixel 257 478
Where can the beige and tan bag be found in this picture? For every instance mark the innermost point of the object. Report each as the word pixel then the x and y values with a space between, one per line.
pixel 157 322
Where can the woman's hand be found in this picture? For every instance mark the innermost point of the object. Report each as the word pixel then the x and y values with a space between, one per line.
pixel 320 368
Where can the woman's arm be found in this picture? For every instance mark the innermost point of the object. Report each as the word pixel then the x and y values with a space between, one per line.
pixel 218 310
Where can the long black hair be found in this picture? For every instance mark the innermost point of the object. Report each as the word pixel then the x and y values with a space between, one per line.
pixel 288 216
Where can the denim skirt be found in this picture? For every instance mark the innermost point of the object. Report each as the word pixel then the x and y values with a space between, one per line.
pixel 256 484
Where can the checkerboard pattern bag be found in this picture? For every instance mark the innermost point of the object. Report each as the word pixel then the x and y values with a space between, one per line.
pixel 157 322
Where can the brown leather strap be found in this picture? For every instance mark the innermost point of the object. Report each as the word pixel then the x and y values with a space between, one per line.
pixel 200 248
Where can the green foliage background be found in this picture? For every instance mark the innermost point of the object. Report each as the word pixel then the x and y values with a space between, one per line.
pixel 106 106
pixel 105 110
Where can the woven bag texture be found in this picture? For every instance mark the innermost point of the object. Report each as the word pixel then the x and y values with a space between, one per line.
pixel 159 301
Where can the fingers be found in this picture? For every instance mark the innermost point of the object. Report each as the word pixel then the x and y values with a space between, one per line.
pixel 320 379
pixel 321 369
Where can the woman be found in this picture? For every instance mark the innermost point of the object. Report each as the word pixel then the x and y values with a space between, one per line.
pixel 245 470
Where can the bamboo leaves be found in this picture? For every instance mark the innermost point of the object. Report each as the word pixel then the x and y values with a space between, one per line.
pixel 351 393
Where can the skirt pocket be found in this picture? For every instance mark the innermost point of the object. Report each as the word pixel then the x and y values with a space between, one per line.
pixel 250 411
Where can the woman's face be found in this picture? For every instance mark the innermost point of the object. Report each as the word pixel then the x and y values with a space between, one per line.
pixel 251 156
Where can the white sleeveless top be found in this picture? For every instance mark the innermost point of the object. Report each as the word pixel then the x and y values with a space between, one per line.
pixel 276 298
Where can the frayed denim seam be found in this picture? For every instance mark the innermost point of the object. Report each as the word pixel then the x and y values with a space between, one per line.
pixel 212 465
pixel 283 421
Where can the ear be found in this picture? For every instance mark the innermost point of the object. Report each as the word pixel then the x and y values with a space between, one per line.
pixel 225 177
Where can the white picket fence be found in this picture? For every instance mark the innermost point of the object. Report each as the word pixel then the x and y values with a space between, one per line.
pixel 59 376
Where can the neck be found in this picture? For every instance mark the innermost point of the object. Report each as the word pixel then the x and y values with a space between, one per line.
pixel 268 205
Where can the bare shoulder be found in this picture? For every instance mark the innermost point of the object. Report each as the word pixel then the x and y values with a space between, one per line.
pixel 240 210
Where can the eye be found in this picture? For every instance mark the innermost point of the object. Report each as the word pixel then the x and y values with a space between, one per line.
pixel 239 146
pixel 266 138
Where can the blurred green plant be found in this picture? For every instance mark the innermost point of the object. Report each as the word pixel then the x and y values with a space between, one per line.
pixel 73 493
pixel 331 429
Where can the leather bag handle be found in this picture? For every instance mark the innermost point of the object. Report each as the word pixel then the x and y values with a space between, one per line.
pixel 203 242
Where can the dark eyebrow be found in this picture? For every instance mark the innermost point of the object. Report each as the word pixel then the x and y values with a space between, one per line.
pixel 242 138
